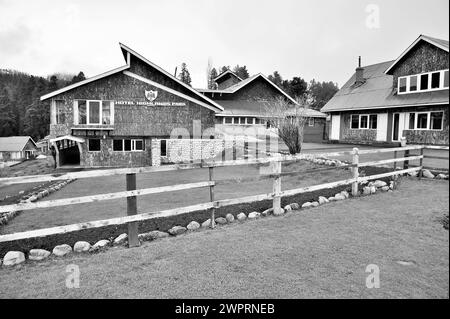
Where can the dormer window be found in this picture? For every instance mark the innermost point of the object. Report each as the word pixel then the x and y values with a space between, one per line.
pixel 425 82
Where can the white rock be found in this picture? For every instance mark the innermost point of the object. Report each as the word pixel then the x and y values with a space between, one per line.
pixel 241 217
pixel 278 212
pixel 81 247
pixel 339 197
pixel 193 225
pixel 307 205
pixel 62 250
pixel 441 176
pixel 267 212
pixel 315 204
pixel 295 206
pixel 38 254
pixel 413 174
pixel 323 200
pixel 426 173
pixel 177 230
pixel 221 220
pixel 13 258
pixel 229 218
pixel 254 215
pixel 121 239
pixel 379 184
pixel 346 194
pixel 385 188
pixel 366 190
pixel 287 208
pixel 331 199
pixel 206 223
pixel 373 189
pixel 101 244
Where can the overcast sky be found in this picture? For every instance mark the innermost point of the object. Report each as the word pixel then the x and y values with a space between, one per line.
pixel 318 39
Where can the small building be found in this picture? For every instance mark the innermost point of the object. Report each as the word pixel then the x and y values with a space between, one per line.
pixel 245 105
pixel 17 148
pixel 404 98
pixel 114 119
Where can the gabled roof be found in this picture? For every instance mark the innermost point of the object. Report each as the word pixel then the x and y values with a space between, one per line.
pixel 140 57
pixel 127 52
pixel 442 44
pixel 14 143
pixel 236 87
pixel 227 72
pixel 377 93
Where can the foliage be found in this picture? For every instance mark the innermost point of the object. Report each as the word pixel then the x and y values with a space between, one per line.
pixel 289 120
pixel 321 93
pixel 184 75
pixel 241 71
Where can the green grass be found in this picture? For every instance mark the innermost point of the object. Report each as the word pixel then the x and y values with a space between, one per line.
pixel 317 253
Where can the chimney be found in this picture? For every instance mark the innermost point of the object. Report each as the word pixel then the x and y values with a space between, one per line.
pixel 359 78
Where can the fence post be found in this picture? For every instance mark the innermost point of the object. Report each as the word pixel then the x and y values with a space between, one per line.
pixel 406 163
pixel 276 170
pixel 421 164
pixel 211 196
pixel 355 171
pixel 133 240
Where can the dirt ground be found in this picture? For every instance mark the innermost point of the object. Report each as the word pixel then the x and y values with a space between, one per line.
pixel 316 253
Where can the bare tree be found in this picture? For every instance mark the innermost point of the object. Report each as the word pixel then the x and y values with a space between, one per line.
pixel 289 119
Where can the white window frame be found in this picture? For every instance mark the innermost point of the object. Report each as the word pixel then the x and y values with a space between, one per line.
pixel 309 122
pixel 359 121
pixel 419 82
pixel 133 144
pixel 428 128
pixel 88 120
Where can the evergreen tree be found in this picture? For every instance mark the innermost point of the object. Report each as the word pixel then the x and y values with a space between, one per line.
pixel 78 78
pixel 184 75
pixel 7 123
pixel 212 75
pixel 241 71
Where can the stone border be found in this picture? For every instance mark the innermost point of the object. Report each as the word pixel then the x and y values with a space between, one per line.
pixel 13 258
pixel 5 218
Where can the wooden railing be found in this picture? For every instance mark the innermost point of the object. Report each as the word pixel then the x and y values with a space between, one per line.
pixel 275 173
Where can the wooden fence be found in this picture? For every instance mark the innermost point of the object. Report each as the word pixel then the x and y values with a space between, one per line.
pixel 275 173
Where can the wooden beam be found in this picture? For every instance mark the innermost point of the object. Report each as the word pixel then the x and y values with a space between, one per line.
pixel 394 160
pixel 133 228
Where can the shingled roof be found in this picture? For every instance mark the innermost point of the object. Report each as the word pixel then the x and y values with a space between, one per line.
pixel 14 143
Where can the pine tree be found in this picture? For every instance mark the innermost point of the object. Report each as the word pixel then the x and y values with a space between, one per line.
pixel 7 125
pixel 211 84
pixel 241 71
pixel 184 75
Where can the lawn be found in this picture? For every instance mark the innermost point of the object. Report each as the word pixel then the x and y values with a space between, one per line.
pixel 318 253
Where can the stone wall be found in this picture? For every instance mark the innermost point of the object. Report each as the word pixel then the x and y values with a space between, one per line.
pixel 427 137
pixel 187 150
pixel 364 136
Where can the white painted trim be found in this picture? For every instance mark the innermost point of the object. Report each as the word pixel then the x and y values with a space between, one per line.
pixel 223 73
pixel 165 88
pixel 421 37
pixel 386 107
pixel 68 137
pixel 81 83
pixel 419 82
pixel 124 47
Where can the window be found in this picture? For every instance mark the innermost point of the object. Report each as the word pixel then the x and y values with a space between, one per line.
pixel 373 121
pixel 94 145
pixel 60 114
pixel 257 121
pixel 236 120
pixel 106 112
pixel 413 83
pixel 422 121
pixel 363 121
pixel 163 148
pixel 412 118
pixel 435 80
pixel 249 120
pixel 430 81
pixel 436 120
pixel 228 120
pixel 82 112
pixel 311 121
pixel 355 122
pixel 129 145
pixel 402 85
pixel 95 112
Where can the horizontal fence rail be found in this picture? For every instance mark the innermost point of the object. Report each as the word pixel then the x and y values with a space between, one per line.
pixel 273 173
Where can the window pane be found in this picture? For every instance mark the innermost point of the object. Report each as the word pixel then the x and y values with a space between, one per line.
pixel 402 85
pixel 94 112
pixel 249 120
pixel 311 121
pixel 412 117
pixel 373 121
pixel 106 112
pixel 435 80
pixel 355 121
pixel 94 145
pixel 228 120
pixel 117 145
pixel 82 112
pixel 242 120
pixel 60 114
pixel 164 147
pixel 424 82
pixel 257 121
pixel 363 121
pixel 139 145
pixel 446 79
pixel 127 145
pixel 413 83
pixel 236 120
pixel 436 120
pixel 422 120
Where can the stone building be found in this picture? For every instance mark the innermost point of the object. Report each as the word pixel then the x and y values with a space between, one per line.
pixel 404 98
pixel 111 119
